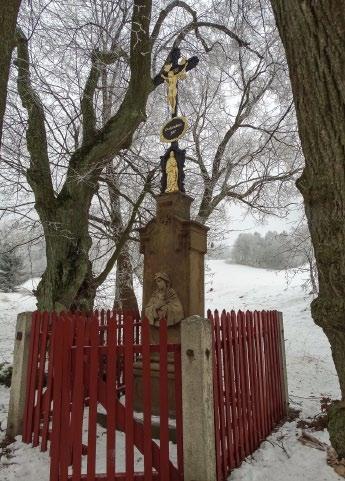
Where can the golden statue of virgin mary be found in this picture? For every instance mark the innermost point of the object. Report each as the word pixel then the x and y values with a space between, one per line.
pixel 172 173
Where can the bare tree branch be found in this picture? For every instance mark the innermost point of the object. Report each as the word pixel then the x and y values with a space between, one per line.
pixel 124 234
pixel 39 172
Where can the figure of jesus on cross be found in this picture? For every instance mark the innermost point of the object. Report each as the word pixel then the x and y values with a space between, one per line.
pixel 174 69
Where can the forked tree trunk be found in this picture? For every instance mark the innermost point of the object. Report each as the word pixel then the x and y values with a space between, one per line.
pixel 313 36
pixel 8 19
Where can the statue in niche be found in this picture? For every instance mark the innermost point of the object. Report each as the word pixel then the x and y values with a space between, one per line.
pixel 172 173
pixel 164 303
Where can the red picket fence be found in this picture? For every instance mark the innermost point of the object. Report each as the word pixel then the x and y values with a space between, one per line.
pixel 80 364
pixel 44 332
pixel 249 383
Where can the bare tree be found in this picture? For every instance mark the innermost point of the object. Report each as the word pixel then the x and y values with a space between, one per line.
pixel 242 152
pixel 68 280
pixel 8 19
pixel 312 34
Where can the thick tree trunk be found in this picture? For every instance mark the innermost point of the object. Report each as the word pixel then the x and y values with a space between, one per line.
pixel 67 283
pixel 313 36
pixel 8 20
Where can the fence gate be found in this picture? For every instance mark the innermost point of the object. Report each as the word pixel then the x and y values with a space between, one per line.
pixel 89 371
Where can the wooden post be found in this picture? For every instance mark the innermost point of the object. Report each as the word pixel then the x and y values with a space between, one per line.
pixel 283 361
pixel 19 374
pixel 199 448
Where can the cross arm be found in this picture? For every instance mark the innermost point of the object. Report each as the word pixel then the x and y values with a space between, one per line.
pixel 192 63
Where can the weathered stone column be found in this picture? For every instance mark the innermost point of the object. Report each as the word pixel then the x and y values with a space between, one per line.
pixel 176 245
pixel 199 449
pixel 19 375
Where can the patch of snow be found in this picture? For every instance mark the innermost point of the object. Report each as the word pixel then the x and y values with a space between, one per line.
pixel 283 458
pixel 12 304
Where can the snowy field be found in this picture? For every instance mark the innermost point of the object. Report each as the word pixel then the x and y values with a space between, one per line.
pixel 311 374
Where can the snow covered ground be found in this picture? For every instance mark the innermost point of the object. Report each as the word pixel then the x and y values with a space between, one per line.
pixel 311 374
pixel 10 305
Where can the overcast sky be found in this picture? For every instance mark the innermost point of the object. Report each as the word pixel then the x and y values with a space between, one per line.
pixel 242 222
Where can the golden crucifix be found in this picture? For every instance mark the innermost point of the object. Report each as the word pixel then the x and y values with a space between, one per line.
pixel 171 78
pixel 174 69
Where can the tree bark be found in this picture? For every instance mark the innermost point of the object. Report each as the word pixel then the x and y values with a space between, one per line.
pixel 67 283
pixel 313 36
pixel 8 20
pixel 125 298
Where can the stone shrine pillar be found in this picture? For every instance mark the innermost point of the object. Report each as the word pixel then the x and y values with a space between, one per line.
pixel 175 245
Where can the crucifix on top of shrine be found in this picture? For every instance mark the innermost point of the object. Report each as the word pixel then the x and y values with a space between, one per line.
pixel 172 162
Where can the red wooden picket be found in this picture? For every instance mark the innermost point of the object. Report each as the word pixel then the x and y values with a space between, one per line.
pixel 216 401
pixel 235 427
pixel 244 381
pixel 58 356
pixel 128 344
pixel 259 374
pixel 233 398
pixel 220 392
pixel 40 373
pixel 263 354
pixel 163 401
pixel 102 327
pixel 279 365
pixel 69 400
pixel 46 432
pixel 111 396
pixel 146 380
pixel 255 429
pixel 273 367
pixel 96 338
pixel 268 359
pixel 274 372
pixel 251 417
pixel 77 399
pixel 227 384
pixel 236 336
pixel 267 373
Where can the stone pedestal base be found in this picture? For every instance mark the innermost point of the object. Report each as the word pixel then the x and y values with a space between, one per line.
pixel 139 392
pixel 175 245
